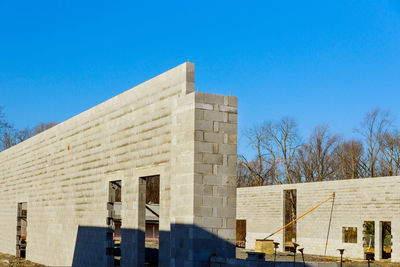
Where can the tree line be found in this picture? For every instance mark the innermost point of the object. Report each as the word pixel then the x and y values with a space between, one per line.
pixel 10 135
pixel 283 158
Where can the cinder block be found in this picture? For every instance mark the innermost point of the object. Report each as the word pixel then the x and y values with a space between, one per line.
pixel 213 137
pixel 212 222
pixel 213 116
pixel 160 127
pixel 212 158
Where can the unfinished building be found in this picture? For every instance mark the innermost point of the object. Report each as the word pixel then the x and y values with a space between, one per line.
pixel 76 193
pixel 363 216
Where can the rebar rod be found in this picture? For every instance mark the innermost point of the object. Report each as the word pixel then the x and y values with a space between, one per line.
pixel 333 195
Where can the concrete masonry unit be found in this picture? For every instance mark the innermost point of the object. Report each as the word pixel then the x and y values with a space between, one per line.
pixel 372 203
pixel 161 127
pixel 65 192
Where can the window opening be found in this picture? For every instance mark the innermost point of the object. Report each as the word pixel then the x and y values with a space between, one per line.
pixel 349 234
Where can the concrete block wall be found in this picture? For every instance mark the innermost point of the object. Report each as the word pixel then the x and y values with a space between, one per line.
pixel 205 138
pixel 64 173
pixel 356 201
pixel 215 174
pixel 262 208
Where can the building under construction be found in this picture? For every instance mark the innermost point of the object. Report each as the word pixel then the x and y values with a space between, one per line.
pixel 76 193
pixel 361 216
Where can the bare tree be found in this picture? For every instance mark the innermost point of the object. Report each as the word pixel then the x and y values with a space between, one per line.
pixel 7 132
pixel 153 190
pixel 350 164
pixel 281 158
pixel 243 177
pixel 261 170
pixel 316 159
pixel 42 126
pixel 390 159
pixel 281 140
pixel 374 126
pixel 3 121
pixel 10 136
pixel 22 135
pixel 252 173
pixel 275 144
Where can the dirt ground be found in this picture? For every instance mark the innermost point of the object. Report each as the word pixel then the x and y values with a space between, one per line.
pixel 288 257
pixel 7 260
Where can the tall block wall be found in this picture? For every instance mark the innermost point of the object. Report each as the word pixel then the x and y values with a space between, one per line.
pixel 356 201
pixel 160 127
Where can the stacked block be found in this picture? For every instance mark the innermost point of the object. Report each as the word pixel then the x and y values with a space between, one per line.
pixel 160 127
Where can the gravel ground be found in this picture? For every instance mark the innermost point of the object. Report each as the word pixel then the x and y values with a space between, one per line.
pixel 7 260
pixel 288 257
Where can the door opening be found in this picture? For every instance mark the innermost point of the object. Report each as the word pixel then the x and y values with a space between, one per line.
pixel 386 240
pixel 22 224
pixel 152 216
pixel 290 213
pixel 369 239
pixel 114 222
pixel 241 233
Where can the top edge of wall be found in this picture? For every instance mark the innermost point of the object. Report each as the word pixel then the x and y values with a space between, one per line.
pixel 182 74
pixel 319 183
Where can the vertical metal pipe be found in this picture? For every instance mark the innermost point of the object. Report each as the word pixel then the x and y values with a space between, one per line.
pixel 329 226
pixel 294 259
pixel 341 256
pixel 294 256
pixel 302 255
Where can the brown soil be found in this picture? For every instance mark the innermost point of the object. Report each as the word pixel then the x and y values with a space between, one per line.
pixel 7 260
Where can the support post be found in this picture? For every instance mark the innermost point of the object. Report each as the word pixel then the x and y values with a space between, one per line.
pixel 133 228
pixel 378 240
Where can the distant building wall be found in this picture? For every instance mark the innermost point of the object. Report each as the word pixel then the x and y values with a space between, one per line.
pixel 160 127
pixel 356 201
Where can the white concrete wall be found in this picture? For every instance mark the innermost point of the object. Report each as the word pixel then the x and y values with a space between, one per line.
pixel 153 128
pixel 356 201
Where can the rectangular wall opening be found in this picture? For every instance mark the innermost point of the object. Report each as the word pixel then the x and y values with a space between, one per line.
pixel 369 239
pixel 241 233
pixel 152 215
pixel 386 240
pixel 349 234
pixel 114 222
pixel 290 214
pixel 22 222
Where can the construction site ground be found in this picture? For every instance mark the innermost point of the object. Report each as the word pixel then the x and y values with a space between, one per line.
pixel 7 260
pixel 288 257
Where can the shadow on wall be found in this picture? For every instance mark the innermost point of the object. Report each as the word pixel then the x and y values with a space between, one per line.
pixel 183 245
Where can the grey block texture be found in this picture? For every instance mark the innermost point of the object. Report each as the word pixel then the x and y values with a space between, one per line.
pixel 160 127
pixel 356 201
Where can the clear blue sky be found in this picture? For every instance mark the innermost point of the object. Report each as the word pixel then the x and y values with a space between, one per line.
pixel 317 61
